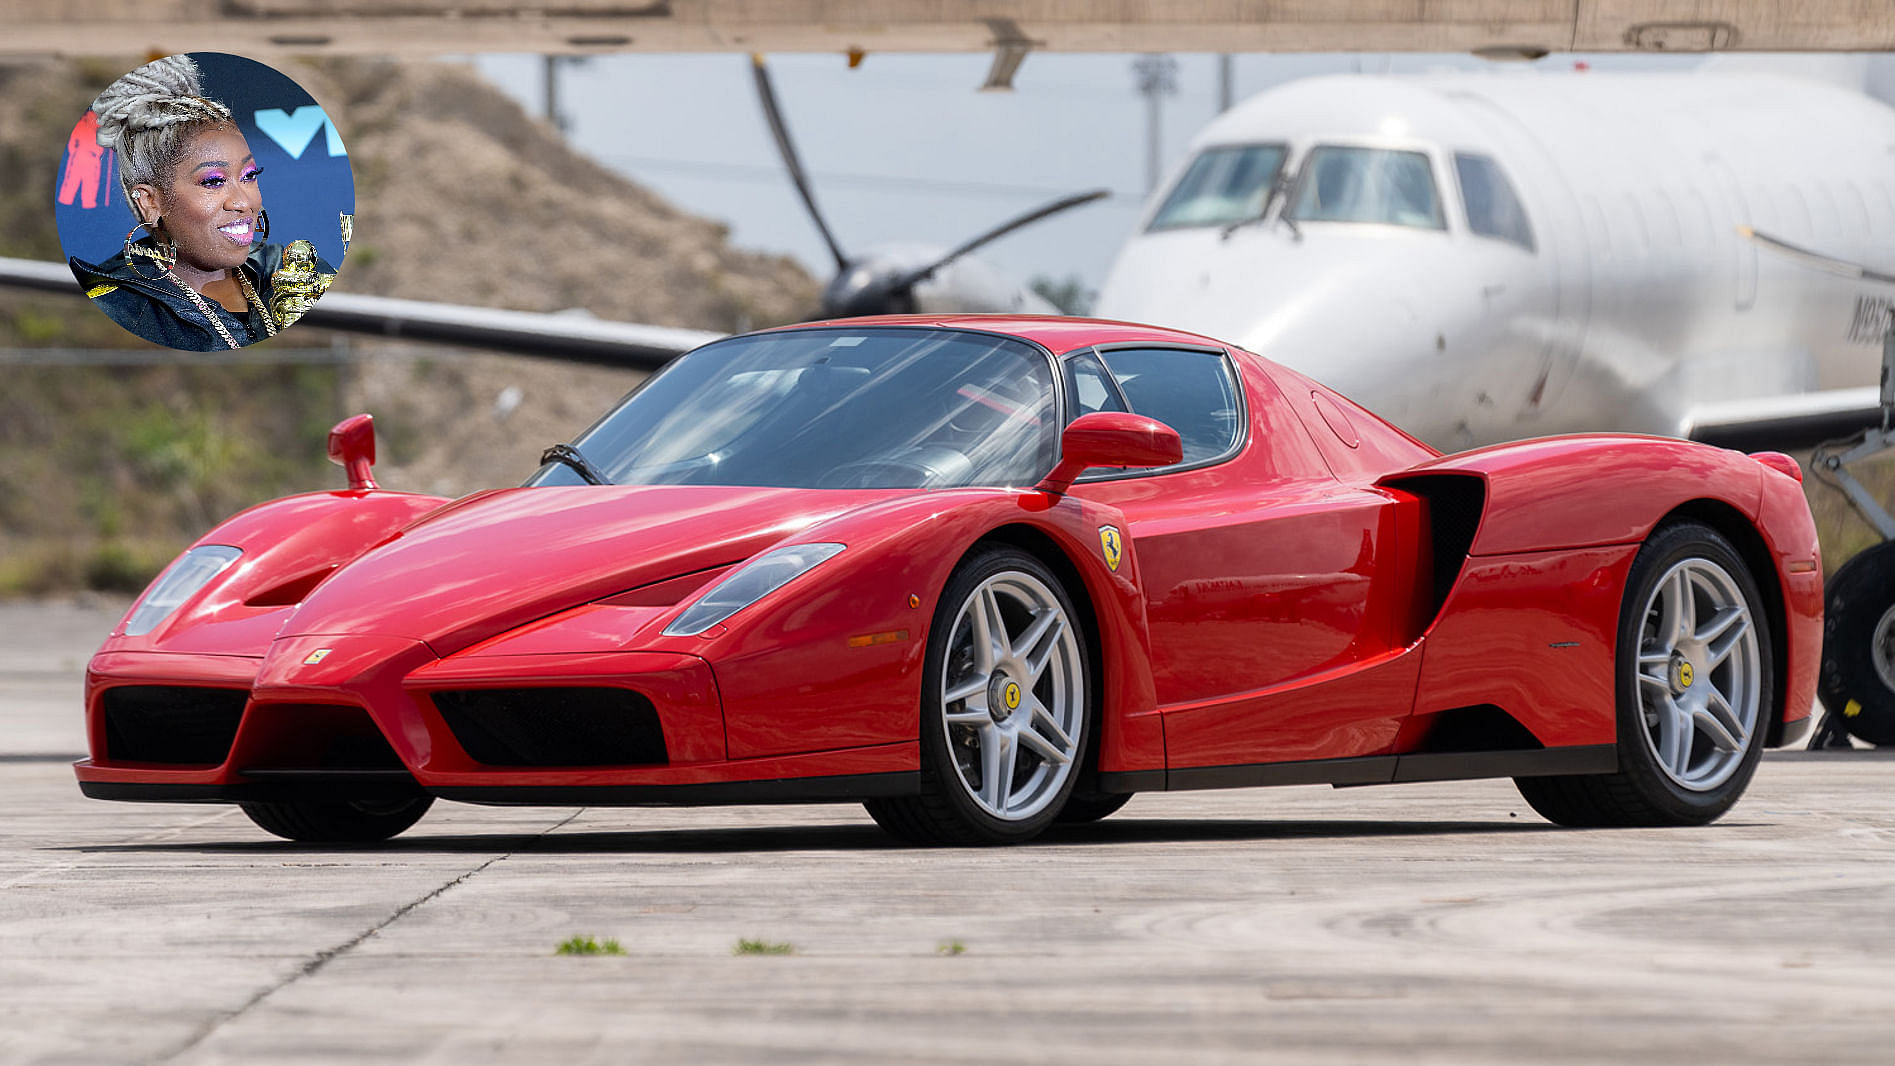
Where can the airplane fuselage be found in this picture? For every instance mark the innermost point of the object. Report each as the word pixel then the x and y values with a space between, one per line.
pixel 1618 295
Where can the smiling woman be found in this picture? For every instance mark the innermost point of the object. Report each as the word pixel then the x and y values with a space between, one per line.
pixel 195 271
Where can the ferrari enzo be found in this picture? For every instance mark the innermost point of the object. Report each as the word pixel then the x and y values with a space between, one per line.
pixel 981 574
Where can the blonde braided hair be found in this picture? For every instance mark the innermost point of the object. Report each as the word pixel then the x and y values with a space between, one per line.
pixel 149 117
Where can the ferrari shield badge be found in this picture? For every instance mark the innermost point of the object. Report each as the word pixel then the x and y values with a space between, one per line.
pixel 1114 548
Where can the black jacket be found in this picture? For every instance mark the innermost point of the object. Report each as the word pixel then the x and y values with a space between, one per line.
pixel 159 312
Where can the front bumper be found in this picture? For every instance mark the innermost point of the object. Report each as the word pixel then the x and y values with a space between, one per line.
pixel 350 717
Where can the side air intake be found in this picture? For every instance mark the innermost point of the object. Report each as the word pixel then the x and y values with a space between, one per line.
pixel 1455 504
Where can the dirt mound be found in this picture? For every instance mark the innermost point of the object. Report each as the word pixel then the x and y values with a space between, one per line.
pixel 463 197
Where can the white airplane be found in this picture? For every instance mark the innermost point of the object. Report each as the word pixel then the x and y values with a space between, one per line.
pixel 1487 257
pixel 1483 257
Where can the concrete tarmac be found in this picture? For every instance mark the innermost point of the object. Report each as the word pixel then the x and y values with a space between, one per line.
pixel 1440 923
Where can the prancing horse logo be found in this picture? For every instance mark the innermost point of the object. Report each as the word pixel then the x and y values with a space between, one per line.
pixel 316 656
pixel 1114 547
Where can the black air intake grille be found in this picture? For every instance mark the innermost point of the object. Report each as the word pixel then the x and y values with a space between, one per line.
pixel 554 726
pixel 172 723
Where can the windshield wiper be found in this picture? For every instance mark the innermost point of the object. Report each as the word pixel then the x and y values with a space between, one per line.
pixel 1279 190
pixel 570 456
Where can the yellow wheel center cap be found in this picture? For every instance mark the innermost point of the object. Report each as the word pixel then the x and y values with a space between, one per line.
pixel 1685 674
pixel 1011 696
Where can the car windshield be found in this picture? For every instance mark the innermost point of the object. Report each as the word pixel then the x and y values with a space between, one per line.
pixel 1344 184
pixel 833 408
pixel 1223 185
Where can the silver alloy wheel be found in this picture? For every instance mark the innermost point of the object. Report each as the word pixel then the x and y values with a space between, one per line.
pixel 1700 675
pixel 1013 696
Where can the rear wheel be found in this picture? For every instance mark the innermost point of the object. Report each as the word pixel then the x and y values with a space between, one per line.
pixel 1858 678
pixel 1005 708
pixel 339 821
pixel 1694 691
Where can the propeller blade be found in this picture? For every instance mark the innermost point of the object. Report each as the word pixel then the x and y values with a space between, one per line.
pixel 1818 260
pixel 914 277
pixel 787 150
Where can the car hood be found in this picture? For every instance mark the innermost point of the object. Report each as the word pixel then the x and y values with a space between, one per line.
pixel 496 560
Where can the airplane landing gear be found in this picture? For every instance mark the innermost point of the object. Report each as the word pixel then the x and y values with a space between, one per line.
pixel 1857 683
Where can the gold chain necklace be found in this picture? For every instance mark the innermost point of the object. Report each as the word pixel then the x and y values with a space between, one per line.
pixel 243 280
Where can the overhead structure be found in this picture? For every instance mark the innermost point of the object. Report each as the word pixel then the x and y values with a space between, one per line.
pixel 1008 28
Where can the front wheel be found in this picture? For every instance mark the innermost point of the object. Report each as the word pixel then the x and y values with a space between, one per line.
pixel 339 821
pixel 1694 689
pixel 1005 707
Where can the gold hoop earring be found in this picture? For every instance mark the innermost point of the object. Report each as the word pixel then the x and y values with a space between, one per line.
pixel 165 255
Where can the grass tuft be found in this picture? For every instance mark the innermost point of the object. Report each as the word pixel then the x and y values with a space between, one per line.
pixel 747 946
pixel 586 945
pixel 950 947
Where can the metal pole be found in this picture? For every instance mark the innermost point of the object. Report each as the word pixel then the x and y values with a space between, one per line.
pixel 1223 83
pixel 1157 76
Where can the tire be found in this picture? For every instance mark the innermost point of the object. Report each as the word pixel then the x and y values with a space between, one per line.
pixel 1006 707
pixel 1695 691
pixel 339 821
pixel 1857 683
pixel 1091 806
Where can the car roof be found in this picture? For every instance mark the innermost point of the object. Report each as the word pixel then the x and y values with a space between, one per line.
pixel 1057 333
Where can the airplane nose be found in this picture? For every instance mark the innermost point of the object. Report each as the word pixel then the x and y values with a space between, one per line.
pixel 1370 315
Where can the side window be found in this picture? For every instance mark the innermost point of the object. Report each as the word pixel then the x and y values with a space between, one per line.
pixel 1192 392
pixel 1091 389
pixel 1493 210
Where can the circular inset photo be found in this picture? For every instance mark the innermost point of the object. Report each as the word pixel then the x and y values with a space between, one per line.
pixel 161 206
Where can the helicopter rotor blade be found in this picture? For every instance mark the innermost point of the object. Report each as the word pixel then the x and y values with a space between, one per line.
pixel 914 277
pixel 1829 263
pixel 787 149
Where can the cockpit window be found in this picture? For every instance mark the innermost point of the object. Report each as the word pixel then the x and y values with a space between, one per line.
pixel 1223 185
pixel 1492 208
pixel 1348 184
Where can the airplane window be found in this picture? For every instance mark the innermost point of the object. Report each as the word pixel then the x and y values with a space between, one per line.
pixel 1223 185
pixel 1192 392
pixel 1492 208
pixel 1341 184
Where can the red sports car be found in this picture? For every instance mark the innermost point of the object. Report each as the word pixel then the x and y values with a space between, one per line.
pixel 982 574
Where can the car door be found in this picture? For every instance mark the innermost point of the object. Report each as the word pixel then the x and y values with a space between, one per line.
pixel 1275 594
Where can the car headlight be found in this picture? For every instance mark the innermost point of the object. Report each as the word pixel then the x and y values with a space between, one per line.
pixel 192 571
pixel 747 584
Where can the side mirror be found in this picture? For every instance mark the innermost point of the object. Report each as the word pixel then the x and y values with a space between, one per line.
pixel 1111 438
pixel 352 447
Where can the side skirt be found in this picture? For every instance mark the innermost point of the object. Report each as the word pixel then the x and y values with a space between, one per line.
pixel 1374 770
